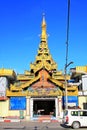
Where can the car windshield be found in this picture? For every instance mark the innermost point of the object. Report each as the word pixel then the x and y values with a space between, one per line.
pixel 65 112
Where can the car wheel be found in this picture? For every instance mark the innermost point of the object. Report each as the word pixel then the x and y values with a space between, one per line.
pixel 76 125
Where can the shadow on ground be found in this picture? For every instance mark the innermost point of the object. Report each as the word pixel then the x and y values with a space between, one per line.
pixel 64 126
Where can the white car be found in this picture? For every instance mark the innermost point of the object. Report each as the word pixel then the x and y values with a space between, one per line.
pixel 75 118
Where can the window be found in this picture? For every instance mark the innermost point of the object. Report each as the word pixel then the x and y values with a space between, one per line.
pixel 83 113
pixel 84 105
pixel 74 113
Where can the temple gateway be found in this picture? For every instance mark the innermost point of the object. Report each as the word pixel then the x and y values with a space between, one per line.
pixel 40 91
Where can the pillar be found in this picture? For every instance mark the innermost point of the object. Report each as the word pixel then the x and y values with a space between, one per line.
pixel 28 107
pixel 59 105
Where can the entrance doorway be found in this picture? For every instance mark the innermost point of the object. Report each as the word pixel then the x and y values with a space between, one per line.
pixel 43 106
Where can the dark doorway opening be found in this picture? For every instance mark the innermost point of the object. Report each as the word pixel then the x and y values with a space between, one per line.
pixel 44 107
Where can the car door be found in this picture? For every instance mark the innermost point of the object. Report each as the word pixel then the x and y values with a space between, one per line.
pixel 83 118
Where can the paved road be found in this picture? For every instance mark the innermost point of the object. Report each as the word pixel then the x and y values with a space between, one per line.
pixel 34 126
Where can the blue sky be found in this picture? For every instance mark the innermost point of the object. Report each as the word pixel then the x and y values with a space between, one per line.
pixel 20 26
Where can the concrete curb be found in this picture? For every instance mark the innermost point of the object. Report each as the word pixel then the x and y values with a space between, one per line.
pixel 9 120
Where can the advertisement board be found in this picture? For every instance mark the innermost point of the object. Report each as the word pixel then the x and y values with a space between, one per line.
pixel 72 100
pixel 17 103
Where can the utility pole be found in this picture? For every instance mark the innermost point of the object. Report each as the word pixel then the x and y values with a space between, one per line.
pixel 67 33
pixel 66 64
pixel 65 69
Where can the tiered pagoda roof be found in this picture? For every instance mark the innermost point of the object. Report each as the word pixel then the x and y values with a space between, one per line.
pixel 43 75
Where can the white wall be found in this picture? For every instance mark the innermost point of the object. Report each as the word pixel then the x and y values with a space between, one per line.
pixel 3 86
pixel 84 82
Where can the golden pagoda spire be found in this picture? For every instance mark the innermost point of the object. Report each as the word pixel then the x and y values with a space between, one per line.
pixel 43 35
pixel 43 58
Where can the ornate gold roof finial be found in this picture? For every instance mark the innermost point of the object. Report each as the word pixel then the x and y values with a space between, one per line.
pixel 43 21
pixel 43 35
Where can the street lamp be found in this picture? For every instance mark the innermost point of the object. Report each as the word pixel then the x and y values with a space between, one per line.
pixel 65 70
